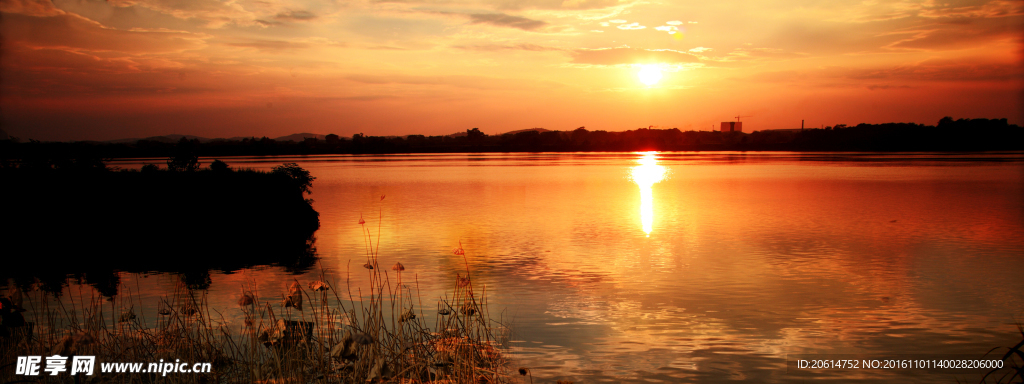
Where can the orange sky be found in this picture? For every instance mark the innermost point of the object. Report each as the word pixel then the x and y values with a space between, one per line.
pixel 99 70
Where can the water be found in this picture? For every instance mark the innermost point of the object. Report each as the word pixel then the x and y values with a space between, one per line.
pixel 678 267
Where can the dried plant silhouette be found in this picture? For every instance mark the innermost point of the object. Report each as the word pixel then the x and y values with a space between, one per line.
pixel 321 332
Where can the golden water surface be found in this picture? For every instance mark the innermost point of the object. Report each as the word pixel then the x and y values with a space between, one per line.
pixel 704 267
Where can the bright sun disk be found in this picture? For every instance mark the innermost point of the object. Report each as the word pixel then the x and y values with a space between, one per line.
pixel 649 75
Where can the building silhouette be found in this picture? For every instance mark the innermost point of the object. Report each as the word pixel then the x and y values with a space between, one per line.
pixel 732 126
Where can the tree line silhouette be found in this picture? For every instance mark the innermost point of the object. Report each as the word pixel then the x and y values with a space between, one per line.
pixel 947 135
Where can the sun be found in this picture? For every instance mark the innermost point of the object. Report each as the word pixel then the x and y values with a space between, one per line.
pixel 649 75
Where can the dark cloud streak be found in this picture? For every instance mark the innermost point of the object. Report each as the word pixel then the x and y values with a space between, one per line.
pixel 296 16
pixel 503 20
pixel 510 47
pixel 270 45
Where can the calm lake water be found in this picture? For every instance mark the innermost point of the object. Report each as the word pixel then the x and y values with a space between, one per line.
pixel 680 267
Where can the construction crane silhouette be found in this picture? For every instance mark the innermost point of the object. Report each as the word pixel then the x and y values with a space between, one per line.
pixel 738 117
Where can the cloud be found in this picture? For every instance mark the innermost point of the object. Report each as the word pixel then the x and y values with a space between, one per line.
pixel 266 23
pixel 631 26
pixel 503 20
pixel 875 87
pixel 295 16
pixel 900 76
pixel 458 81
pixel 499 47
pixel 667 28
pixel 37 8
pixel 938 71
pixel 763 53
pixel 990 9
pixel 557 4
pixel 72 32
pixel 699 49
pixel 53 73
pixel 820 37
pixel 617 56
pixel 220 13
pixel 386 48
pixel 965 33
pixel 269 45
pixel 674 22
pixel 215 13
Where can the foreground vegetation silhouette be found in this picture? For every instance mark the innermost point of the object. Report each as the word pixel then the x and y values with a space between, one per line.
pixel 314 332
pixel 74 216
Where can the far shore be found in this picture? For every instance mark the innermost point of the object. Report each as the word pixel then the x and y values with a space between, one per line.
pixel 948 135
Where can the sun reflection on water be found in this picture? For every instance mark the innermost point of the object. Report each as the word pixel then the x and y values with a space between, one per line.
pixel 646 175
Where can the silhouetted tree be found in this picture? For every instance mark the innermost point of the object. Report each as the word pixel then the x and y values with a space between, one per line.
pixel 185 158
pixel 301 176
pixel 219 166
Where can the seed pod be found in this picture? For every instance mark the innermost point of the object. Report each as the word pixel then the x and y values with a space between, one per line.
pixel 245 300
pixel 318 286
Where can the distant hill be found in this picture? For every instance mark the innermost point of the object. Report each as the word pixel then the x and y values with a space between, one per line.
pixel 463 133
pixel 3 135
pixel 526 130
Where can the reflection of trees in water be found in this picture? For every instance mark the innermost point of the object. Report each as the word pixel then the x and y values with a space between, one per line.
pixel 104 275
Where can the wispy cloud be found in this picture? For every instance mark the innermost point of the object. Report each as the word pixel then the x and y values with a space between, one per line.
pixel 575 5
pixel 295 16
pixel 625 55
pixel 667 28
pixel 214 13
pixel 39 8
pixel 503 20
pixel 507 47
pixel 631 26
pixel 757 53
pixel 989 9
pixel 965 33
pixel 901 76
pixel 73 32
pixel 269 45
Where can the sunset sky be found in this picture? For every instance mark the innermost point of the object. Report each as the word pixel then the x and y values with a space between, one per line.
pixel 101 70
